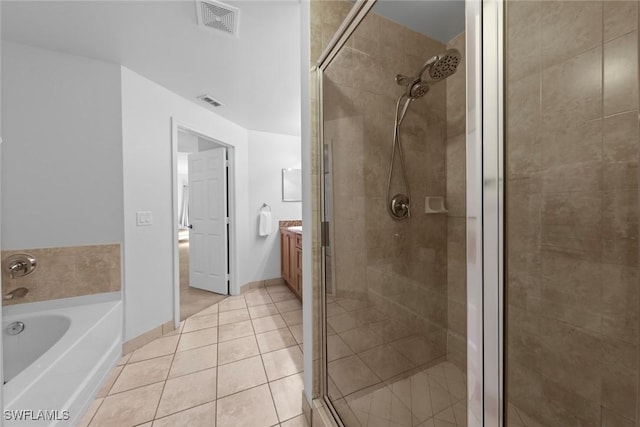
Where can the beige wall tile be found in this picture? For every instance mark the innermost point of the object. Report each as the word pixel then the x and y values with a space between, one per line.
pixel 524 40
pixel 621 137
pixel 67 272
pixel 568 406
pixel 620 17
pixel 569 28
pixel 572 241
pixel 572 89
pixel 620 74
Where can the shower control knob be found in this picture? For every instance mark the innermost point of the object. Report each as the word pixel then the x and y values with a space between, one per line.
pixel 399 207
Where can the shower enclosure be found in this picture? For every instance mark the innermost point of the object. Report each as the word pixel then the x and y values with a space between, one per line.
pixel 512 300
pixel 393 134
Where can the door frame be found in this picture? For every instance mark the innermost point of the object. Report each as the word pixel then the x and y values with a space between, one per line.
pixel 179 125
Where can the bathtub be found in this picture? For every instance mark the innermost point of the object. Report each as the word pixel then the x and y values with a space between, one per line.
pixel 61 358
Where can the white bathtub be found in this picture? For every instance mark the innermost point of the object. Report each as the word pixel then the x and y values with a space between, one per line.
pixel 60 360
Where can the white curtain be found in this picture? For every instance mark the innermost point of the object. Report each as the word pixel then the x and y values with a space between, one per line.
pixel 184 212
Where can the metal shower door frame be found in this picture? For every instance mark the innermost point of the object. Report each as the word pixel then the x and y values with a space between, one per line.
pixel 485 212
pixel 484 29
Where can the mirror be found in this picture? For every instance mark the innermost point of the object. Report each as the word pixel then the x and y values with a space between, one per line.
pixel 291 185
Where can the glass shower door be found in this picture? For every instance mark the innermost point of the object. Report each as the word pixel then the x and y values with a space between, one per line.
pixel 395 289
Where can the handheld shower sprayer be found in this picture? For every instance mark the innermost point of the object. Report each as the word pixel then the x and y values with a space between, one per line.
pixel 436 69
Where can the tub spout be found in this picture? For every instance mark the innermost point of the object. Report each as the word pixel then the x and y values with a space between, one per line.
pixel 18 292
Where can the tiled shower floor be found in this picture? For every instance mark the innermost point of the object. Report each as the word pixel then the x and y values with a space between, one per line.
pixel 237 363
pixel 434 397
pixel 383 374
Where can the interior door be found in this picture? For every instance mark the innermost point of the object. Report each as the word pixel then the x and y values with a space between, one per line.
pixel 208 216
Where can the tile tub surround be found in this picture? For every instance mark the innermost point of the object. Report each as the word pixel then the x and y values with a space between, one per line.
pixel 67 272
pixel 572 212
pixel 236 363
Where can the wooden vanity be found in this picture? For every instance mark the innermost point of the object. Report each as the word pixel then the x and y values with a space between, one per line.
pixel 291 258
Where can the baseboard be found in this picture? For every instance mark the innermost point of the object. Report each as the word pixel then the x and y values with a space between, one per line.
pixel 261 284
pixel 251 285
pixel 145 338
pixel 306 408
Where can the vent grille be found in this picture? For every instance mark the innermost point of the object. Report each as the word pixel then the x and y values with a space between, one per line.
pixel 210 100
pixel 218 16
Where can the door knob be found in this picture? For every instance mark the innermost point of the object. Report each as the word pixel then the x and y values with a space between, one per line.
pixel 190 226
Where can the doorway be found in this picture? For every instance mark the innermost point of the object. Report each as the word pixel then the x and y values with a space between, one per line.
pixel 202 202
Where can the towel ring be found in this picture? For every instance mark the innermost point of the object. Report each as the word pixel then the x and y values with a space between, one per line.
pixel 264 205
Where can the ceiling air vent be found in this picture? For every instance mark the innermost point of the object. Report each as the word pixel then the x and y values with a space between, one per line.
pixel 218 16
pixel 210 100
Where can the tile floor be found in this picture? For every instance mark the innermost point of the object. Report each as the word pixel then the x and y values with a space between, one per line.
pixel 237 363
pixel 192 300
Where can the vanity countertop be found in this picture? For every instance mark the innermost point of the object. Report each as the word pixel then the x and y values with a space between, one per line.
pixel 296 229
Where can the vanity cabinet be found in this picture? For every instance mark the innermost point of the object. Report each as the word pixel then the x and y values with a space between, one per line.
pixel 291 259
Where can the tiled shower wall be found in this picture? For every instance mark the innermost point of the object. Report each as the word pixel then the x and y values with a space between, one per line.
pixel 66 272
pixel 572 228
pixel 456 217
pixel 401 266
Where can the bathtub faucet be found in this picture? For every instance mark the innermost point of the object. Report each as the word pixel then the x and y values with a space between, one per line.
pixel 18 292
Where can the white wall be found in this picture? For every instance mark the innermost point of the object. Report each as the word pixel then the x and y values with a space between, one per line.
pixel 147 109
pixel 87 144
pixel 269 153
pixel 62 150
pixel 183 178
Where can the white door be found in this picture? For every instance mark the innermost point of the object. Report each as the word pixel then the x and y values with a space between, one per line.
pixel 208 217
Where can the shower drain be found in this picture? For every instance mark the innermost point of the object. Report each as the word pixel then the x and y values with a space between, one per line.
pixel 15 328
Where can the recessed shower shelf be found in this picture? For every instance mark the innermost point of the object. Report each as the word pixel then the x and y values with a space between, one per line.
pixel 434 205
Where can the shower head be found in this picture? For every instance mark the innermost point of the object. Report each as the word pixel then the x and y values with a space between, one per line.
pixel 442 66
pixel 414 86
pixel 437 68
pixel 418 90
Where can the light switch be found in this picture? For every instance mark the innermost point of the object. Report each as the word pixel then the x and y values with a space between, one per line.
pixel 144 218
